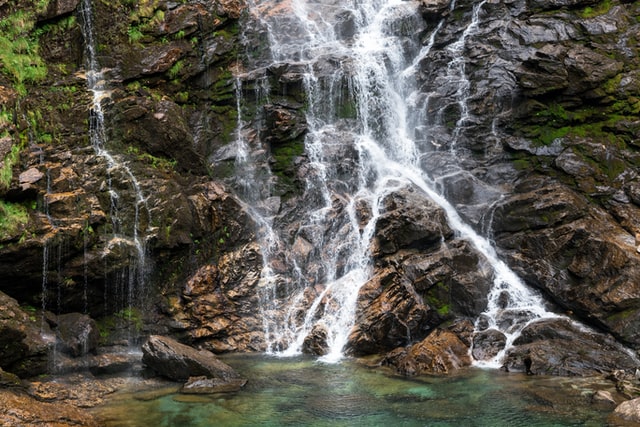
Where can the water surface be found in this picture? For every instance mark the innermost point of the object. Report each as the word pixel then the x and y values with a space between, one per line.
pixel 305 392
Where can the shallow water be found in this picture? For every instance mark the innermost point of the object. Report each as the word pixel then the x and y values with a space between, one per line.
pixel 302 391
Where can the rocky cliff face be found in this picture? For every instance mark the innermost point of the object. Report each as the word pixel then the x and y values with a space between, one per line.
pixel 550 156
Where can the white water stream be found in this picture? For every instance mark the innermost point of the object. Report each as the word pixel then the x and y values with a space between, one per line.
pixel 129 287
pixel 375 55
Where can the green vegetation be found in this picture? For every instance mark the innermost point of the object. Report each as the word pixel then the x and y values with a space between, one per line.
pixel 159 163
pixel 438 297
pixel 13 217
pixel 135 35
pixel 19 50
pixel 175 69
pixel 132 316
pixel 554 121
pixel 283 156
pixel 228 121
pixel 596 10
pixel 6 172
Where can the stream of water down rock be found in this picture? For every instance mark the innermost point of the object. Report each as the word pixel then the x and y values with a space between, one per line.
pixel 359 64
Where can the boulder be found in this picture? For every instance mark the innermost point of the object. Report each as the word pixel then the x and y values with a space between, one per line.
pixel 487 344
pixel 179 362
pixel 409 220
pixel 441 352
pixel 560 347
pixel 629 410
pixel 316 342
pixel 24 341
pixel 390 313
pixel 77 333
pixel 587 263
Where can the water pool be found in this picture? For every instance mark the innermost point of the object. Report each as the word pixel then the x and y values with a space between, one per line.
pixel 305 392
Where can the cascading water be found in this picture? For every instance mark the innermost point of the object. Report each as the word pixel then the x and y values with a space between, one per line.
pixel 366 108
pixel 128 285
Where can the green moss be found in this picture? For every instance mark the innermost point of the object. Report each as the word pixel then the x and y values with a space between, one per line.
pixel 166 165
pixel 6 173
pixel 19 50
pixel 135 34
pixel 13 218
pixel 596 10
pixel 132 316
pixel 283 156
pixel 175 69
pixel 522 164
pixel 227 117
pixel 438 298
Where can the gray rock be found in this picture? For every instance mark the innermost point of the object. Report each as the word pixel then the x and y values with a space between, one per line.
pixel 179 362
pixel 204 385
pixel 77 333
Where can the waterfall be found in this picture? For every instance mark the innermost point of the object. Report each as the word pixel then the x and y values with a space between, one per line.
pixel 128 284
pixel 359 61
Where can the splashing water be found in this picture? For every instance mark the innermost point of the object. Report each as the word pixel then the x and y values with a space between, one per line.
pixel 359 61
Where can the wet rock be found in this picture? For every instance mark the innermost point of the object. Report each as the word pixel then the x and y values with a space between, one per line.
pixel 283 124
pixel 316 341
pixel 629 410
pixel 603 397
pixel 24 342
pixel 19 409
pixel 7 379
pixel 557 347
pixel 487 344
pixel 78 333
pixel 178 362
pixel 58 8
pixel 390 313
pixel 627 382
pixel 441 352
pixel 587 264
pixel 410 220
pixel 218 304
pixel 204 385
pixel 434 8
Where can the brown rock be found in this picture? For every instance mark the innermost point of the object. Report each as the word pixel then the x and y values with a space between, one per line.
pixel 24 341
pixel 19 409
pixel 442 352
pixel 178 362
pixel 629 410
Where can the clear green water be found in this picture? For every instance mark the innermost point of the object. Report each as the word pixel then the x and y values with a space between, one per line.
pixel 303 392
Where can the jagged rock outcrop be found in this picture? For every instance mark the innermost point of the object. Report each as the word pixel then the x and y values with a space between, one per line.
pixel 424 277
pixel 535 143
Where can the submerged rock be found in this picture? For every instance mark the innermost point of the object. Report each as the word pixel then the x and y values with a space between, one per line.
pixel 204 385
pixel 179 362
